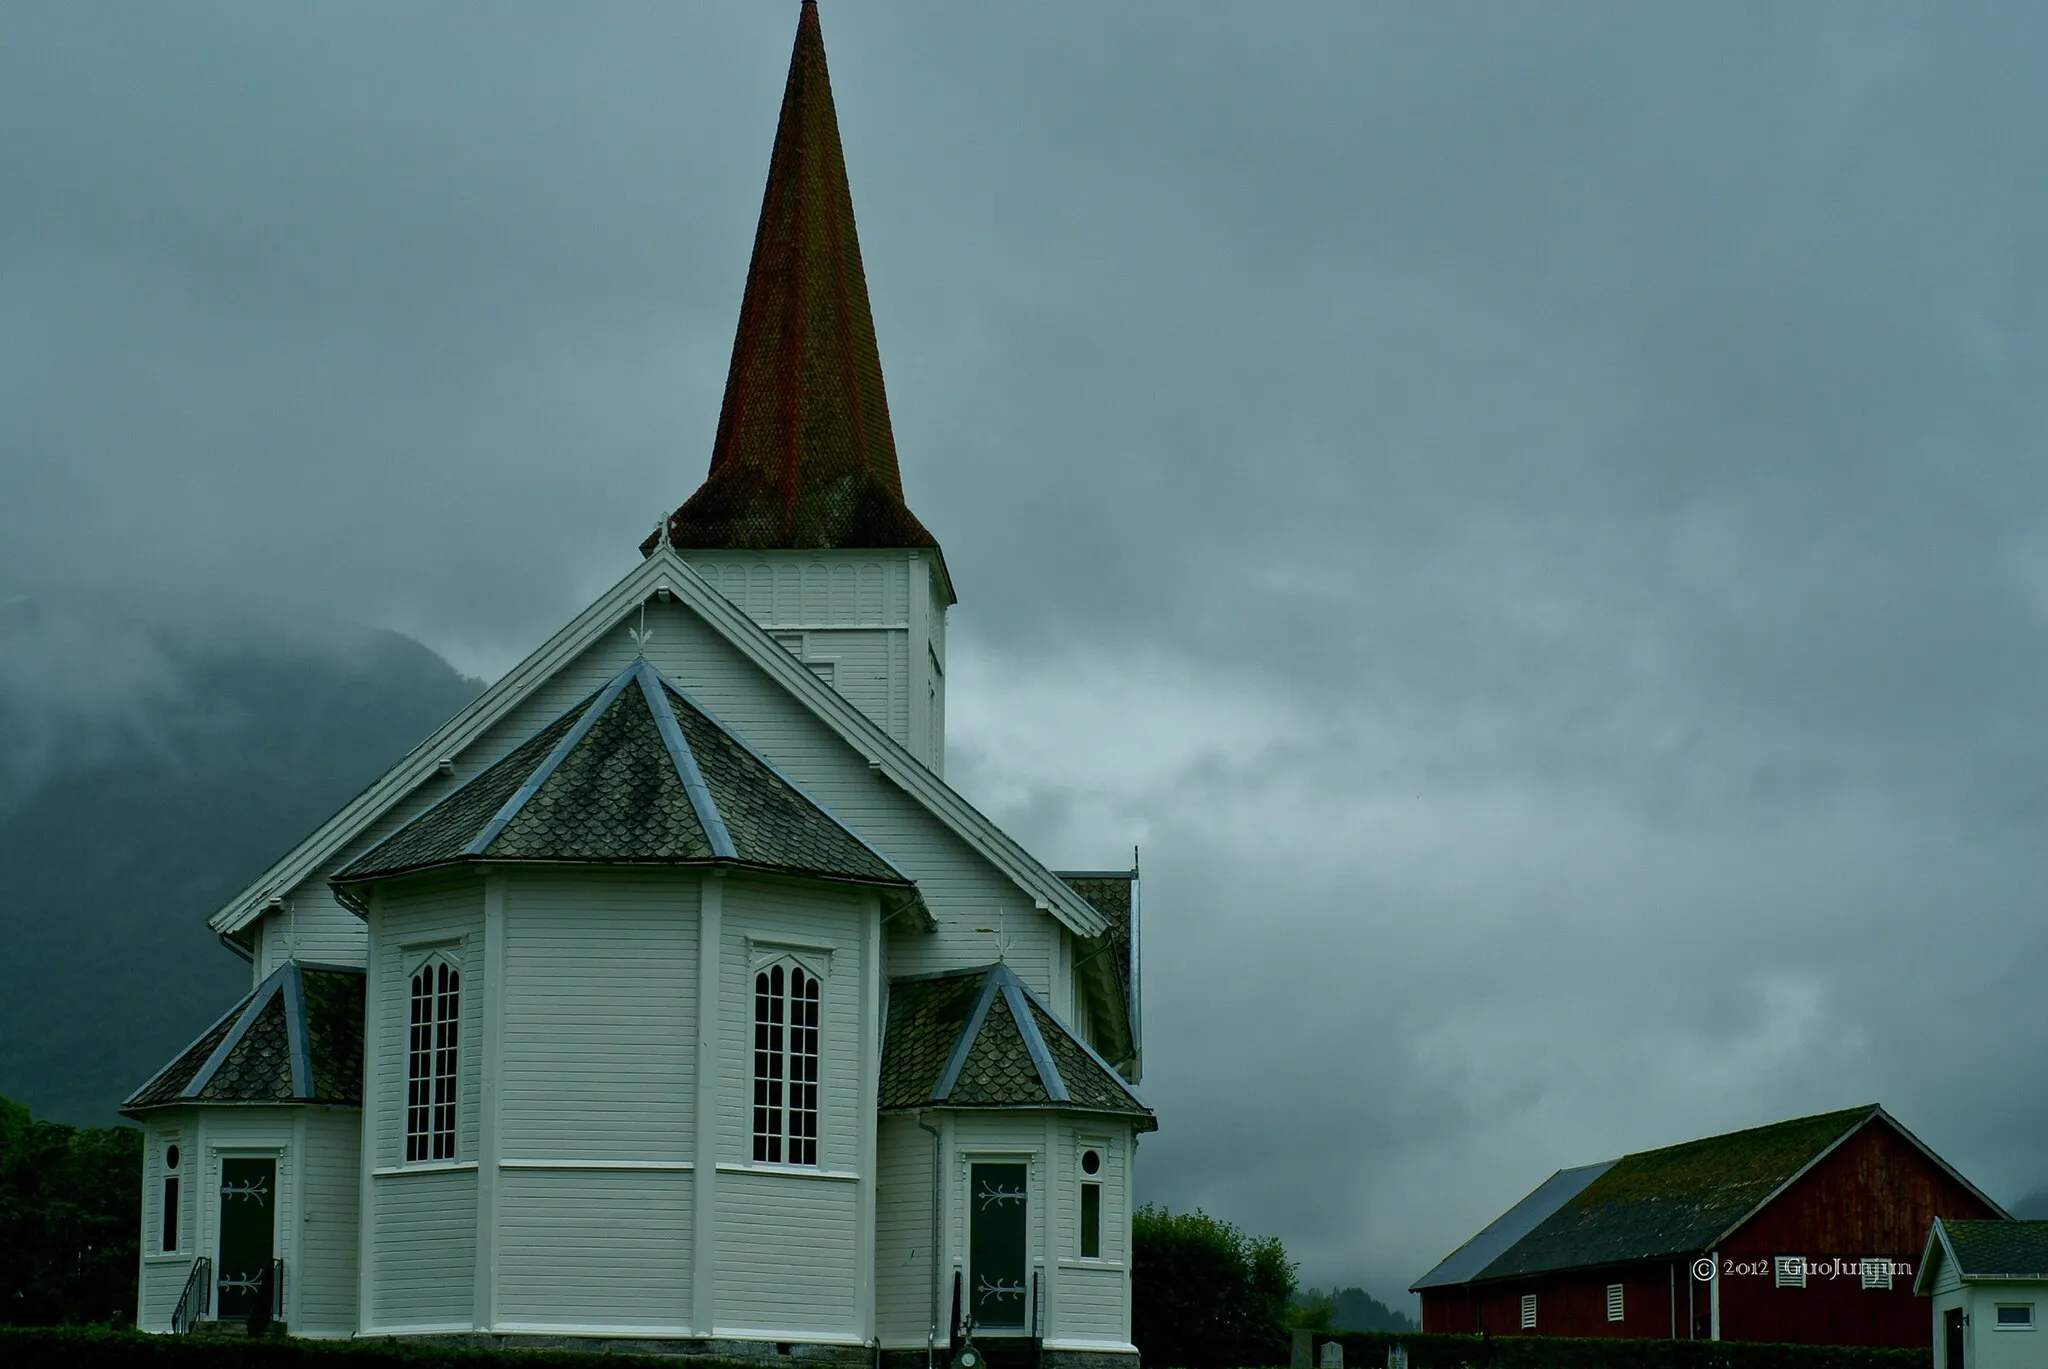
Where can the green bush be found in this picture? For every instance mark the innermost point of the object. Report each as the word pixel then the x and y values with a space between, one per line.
pixel 1204 1295
pixel 92 1347
pixel 70 1215
pixel 1368 1350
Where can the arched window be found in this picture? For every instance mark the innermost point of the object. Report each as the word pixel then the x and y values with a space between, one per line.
pixel 431 1062
pixel 786 1066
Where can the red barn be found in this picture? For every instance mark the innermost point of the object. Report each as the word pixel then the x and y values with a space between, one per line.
pixel 1804 1231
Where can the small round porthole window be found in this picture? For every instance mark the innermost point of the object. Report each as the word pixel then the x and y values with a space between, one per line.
pixel 1091 1161
pixel 170 1157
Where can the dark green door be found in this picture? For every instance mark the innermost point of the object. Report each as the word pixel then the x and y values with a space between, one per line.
pixel 999 1296
pixel 248 1236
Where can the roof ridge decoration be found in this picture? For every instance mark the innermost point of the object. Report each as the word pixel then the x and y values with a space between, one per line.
pixel 804 454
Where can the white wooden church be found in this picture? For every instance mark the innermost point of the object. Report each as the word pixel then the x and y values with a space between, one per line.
pixel 667 995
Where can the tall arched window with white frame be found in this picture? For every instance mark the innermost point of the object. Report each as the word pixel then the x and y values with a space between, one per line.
pixel 785 1066
pixel 431 1062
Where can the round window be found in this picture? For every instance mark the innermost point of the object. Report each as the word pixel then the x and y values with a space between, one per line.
pixel 170 1157
pixel 1091 1161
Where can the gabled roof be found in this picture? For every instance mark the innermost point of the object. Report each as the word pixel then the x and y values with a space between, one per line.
pixel 1989 1251
pixel 1464 1264
pixel 1113 956
pixel 1683 1199
pixel 637 772
pixel 804 455
pixel 665 571
pixel 296 1038
pixel 980 1038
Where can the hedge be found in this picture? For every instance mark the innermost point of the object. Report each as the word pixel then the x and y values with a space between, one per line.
pixel 99 1347
pixel 89 1347
pixel 1430 1350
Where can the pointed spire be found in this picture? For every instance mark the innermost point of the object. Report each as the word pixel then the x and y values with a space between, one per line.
pixel 804 455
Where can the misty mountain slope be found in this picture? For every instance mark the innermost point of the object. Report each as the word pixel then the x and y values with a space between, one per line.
pixel 147 772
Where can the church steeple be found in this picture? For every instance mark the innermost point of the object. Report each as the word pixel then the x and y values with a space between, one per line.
pixel 804 457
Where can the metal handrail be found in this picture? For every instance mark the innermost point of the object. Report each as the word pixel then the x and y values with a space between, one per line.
pixel 196 1300
pixel 269 1301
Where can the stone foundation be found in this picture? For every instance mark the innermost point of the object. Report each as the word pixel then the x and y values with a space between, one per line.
pixel 997 1353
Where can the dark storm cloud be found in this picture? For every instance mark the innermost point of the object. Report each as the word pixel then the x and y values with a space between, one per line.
pixel 1532 513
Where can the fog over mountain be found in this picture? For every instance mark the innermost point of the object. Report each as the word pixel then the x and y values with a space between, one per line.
pixel 1534 516
pixel 147 772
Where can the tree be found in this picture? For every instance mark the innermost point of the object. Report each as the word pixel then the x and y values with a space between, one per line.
pixel 1348 1309
pixel 1204 1295
pixel 70 1216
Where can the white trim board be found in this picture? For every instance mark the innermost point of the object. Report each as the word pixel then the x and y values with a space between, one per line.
pixel 664 571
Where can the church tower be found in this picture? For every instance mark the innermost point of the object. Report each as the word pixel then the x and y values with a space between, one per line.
pixel 801 520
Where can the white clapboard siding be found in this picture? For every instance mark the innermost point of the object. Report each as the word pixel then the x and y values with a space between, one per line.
pixel 597 1057
pixel 1113 1140
pixel 316 930
pixel 594 1249
pixel 903 1233
pixel 1091 1305
pixel 442 914
pixel 164 1272
pixel 762 919
pixel 877 616
pixel 323 1279
pixel 156 1297
pixel 788 1256
pixel 424 1248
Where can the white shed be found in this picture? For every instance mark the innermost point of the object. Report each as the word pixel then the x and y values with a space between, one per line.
pixel 1989 1284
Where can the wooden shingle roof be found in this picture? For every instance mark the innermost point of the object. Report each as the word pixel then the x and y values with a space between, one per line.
pixel 980 1038
pixel 804 454
pixel 636 773
pixel 296 1038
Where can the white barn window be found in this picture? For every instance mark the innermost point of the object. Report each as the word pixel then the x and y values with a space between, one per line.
pixel 1528 1311
pixel 1877 1273
pixel 431 1059
pixel 1614 1303
pixel 1791 1271
pixel 785 1066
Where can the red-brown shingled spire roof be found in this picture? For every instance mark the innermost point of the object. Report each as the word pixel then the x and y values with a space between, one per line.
pixel 804 456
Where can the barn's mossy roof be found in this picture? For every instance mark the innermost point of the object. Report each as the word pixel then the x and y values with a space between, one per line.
pixel 1677 1200
pixel 1995 1249
pixel 296 1038
pixel 636 773
pixel 980 1039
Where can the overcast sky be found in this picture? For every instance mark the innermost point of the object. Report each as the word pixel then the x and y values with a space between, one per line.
pixel 1531 514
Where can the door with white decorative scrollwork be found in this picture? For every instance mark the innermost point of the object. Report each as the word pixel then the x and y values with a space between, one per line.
pixel 248 1236
pixel 998 1271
